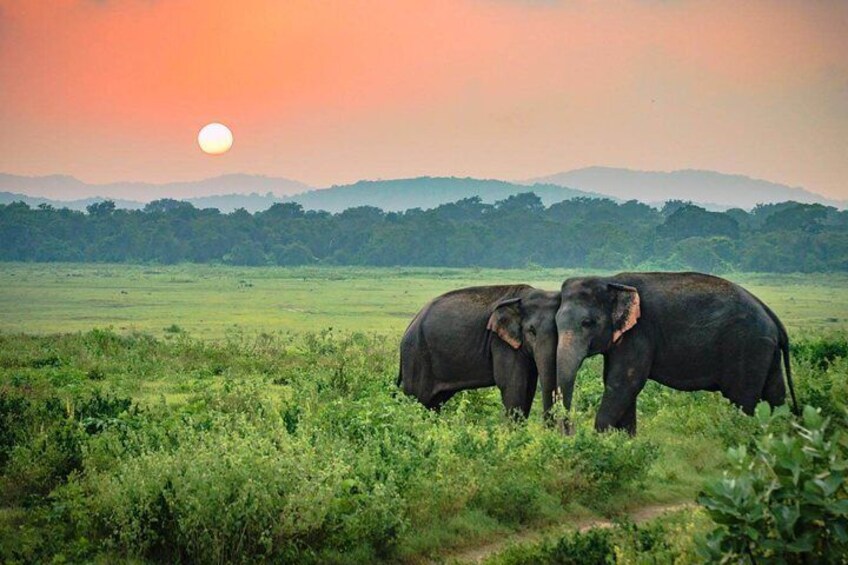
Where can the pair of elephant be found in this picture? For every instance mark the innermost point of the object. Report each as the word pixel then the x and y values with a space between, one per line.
pixel 688 331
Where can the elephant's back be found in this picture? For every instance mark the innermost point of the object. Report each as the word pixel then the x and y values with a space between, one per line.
pixel 460 314
pixel 698 303
pixel 447 342
pixel 463 311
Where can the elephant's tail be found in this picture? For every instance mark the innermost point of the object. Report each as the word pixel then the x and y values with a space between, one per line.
pixel 784 347
pixel 395 392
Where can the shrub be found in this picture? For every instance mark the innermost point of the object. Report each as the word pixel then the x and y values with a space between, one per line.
pixel 42 463
pixel 786 499
pixel 280 447
pixel 242 492
pixel 821 351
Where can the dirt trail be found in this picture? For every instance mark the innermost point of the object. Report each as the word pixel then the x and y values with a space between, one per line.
pixel 478 554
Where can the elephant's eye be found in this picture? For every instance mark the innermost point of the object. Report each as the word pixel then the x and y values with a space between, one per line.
pixel 532 330
pixel 587 322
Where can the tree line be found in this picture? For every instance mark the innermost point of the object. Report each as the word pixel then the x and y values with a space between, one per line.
pixel 516 232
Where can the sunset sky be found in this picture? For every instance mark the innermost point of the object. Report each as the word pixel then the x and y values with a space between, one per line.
pixel 331 92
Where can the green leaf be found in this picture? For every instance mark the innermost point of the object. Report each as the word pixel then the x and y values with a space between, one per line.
pixel 839 507
pixel 763 413
pixel 840 530
pixel 830 484
pixel 812 417
pixel 803 544
pixel 785 519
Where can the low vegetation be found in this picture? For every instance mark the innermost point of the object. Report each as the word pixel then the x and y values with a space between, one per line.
pixel 671 538
pixel 189 434
pixel 785 499
pixel 298 447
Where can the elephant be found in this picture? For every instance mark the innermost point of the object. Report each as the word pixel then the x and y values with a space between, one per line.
pixel 688 331
pixel 482 336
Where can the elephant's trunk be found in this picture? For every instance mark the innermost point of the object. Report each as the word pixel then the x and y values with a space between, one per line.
pixel 569 357
pixel 546 369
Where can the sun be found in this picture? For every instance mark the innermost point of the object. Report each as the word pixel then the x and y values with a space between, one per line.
pixel 215 139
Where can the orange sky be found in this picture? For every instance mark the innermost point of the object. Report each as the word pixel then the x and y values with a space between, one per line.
pixel 329 92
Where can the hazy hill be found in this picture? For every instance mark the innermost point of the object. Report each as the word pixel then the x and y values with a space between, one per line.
pixel 63 187
pixel 255 192
pixel 704 187
pixel 424 192
pixel 224 202
pixel 390 195
pixel 81 204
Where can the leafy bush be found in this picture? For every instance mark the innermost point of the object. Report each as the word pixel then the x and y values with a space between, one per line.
pixel 41 463
pixel 299 447
pixel 593 546
pixel 666 539
pixel 786 499
pixel 821 351
pixel 240 493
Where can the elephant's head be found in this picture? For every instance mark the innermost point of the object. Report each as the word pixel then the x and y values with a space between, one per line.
pixel 528 322
pixel 593 316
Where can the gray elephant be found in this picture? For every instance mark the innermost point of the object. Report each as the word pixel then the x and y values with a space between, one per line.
pixel 688 331
pixel 478 337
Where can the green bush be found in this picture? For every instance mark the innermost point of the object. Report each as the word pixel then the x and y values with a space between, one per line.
pixel 593 546
pixel 41 463
pixel 238 494
pixel 821 351
pixel 785 500
pixel 290 448
pixel 42 437
pixel 667 539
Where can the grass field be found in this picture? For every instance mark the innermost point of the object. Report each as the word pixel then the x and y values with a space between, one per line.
pixel 219 419
pixel 207 301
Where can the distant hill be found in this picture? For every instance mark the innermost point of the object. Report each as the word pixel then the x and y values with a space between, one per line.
pixel 224 202
pixel 81 204
pixel 390 195
pixel 255 192
pixel 425 192
pixel 703 187
pixel 66 188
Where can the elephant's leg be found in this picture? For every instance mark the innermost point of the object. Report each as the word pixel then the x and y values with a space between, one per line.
pixel 516 379
pixel 774 391
pixel 625 372
pixel 438 400
pixel 627 421
pixel 530 393
pixel 744 385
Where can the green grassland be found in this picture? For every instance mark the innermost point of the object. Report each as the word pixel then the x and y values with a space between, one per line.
pixel 204 413
pixel 207 300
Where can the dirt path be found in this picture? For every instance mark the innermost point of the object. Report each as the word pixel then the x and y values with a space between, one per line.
pixel 478 554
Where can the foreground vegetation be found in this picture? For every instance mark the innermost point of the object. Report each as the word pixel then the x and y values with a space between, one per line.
pixel 219 419
pixel 516 232
pixel 298 447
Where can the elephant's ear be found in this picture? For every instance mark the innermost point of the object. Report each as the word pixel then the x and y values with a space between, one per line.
pixel 506 321
pixel 625 309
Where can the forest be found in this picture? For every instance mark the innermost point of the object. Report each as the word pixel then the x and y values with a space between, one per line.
pixel 519 231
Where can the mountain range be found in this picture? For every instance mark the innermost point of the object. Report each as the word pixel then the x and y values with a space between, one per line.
pixel 710 189
pixel 707 188
pixel 63 187
pixel 426 192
